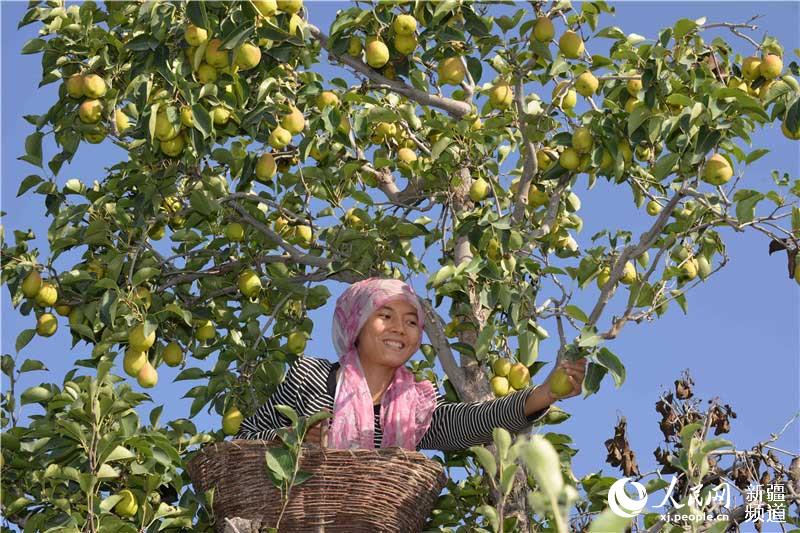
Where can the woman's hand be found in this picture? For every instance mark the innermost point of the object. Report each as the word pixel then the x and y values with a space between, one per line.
pixel 317 434
pixel 576 371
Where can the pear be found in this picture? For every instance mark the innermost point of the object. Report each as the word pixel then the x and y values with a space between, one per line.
pixel 404 25
pixel 628 273
pixel 280 138
pixel 569 159
pixel 147 376
pixel 451 71
pixel 717 171
pixel 771 67
pixel 249 283
pixel 138 340
pixel 133 361
pixel 354 47
pixel 405 44
pixel 248 56
pixel 172 354
pixel 571 45
pixel 205 331
pixel 173 147
pixel 406 155
pixel 94 86
pixel 296 342
pixel 519 376
pixel 47 295
pixel 327 99
pixel 501 367
pixel 479 190
pixel 266 8
pixel 127 505
pixel 294 122
pixel 377 54
pixel 121 121
pixel 206 73
pixel 586 84
pixel 559 382
pixel 90 111
pixel 501 95
pixel 31 284
pixel 543 30
pixel 653 208
pixel 231 421
pixel 46 325
pixel 582 140
pixel 214 56
pixel 500 386
pixel 266 167
pixel 74 85
pixel 751 68
pixel 564 98
pixel 195 35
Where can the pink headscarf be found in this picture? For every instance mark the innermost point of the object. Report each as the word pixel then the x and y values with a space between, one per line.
pixel 406 407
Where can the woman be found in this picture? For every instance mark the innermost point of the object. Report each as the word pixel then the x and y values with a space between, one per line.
pixel 375 400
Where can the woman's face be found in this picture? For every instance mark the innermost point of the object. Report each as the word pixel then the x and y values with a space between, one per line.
pixel 390 336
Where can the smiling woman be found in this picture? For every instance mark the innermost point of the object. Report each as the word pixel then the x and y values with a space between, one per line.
pixel 376 402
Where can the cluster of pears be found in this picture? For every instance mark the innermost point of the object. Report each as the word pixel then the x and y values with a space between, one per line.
pixel 299 234
pixel 91 88
pixel 45 294
pixel 629 275
pixel 172 206
pixel 508 377
pixel 291 124
pixel 376 53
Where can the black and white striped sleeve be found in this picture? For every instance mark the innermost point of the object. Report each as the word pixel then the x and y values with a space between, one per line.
pixel 457 426
pixel 266 419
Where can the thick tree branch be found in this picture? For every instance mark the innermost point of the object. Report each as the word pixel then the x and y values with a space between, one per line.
pixel 454 108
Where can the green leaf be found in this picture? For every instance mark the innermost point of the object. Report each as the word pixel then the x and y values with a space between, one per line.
pixel 288 412
pixel 120 453
pixel 108 503
pixel 280 464
pixel 606 358
pixel 485 459
pixel 202 120
pixel 575 312
pixel 33 149
pixel 28 182
pixel 609 522
pixel 143 274
pixel 746 201
pixel 32 365
pixel 755 155
pixel 24 338
pixel 638 116
pixel 683 27
pixel 663 166
pixel 196 11
pixel 190 373
pixel 33 46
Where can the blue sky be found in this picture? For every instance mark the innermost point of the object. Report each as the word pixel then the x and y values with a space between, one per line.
pixel 740 339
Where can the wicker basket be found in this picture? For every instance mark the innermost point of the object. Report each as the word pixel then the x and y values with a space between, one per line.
pixel 387 489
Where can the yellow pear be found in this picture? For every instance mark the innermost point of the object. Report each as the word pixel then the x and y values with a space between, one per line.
pixel 46 325
pixel 406 155
pixel 31 284
pixel 404 25
pixel 633 87
pixel 147 376
pixel 602 277
pixel 206 73
pixel 296 342
pixel 405 44
pixel 266 167
pixel 63 309
pixel 165 130
pixel 500 386
pixel 771 66
pixel 564 98
pixel 94 86
pixel 234 232
pixel 717 170
pixel 194 35
pixel 751 67
pixel 290 6
pixel 569 159
pixel 266 8
pixel 47 295
pixel 214 56
pixel 220 115
pixel 138 340
pixel 479 190
pixel 571 45
pixel 121 121
pixel 354 47
pixel 326 99
pixel 231 421
pixel 519 376
pixel 249 283
pixel 133 361
pixel 377 54
pixel 294 122
pixel 543 30
pixel 173 147
pixel 127 505
pixel 90 111
pixel 172 354
pixel 248 56
pixel 143 297
pixel 582 140
pixel 451 71
pixel 501 95
pixel 74 86
pixel 628 273
pixel 653 208
pixel 501 367
pixel 205 331
pixel 187 116
pixel 586 84
pixel 559 383
pixel 303 234
pixel 280 138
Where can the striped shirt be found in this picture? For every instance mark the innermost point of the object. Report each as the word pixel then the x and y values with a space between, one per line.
pixel 310 385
